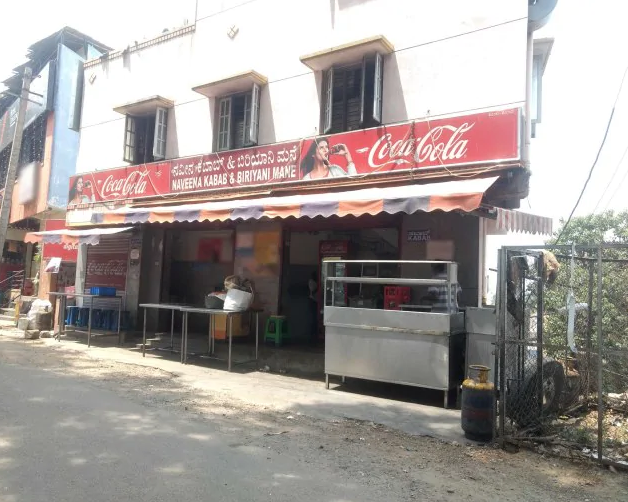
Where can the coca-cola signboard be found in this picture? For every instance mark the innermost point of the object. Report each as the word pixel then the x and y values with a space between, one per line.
pixel 107 263
pixel 109 271
pixel 67 252
pixel 418 146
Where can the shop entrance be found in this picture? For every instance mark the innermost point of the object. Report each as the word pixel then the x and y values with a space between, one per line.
pixel 306 245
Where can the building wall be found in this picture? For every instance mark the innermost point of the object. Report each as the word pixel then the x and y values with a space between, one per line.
pixel 450 57
pixel 66 141
pixel 462 231
pixel 40 202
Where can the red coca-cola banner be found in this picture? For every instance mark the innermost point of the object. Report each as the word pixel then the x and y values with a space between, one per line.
pixel 65 251
pixel 482 138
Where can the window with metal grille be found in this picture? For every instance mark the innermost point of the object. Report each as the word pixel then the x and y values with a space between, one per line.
pixel 33 142
pixel 353 96
pixel 238 120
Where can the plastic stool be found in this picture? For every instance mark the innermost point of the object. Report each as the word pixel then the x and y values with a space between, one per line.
pixel 96 318
pixel 83 317
pixel 71 315
pixel 277 329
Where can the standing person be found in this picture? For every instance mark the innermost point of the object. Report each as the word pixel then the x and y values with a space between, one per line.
pixel 313 287
pixel 437 295
pixel 316 165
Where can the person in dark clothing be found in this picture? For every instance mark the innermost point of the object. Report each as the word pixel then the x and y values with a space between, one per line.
pixel 313 288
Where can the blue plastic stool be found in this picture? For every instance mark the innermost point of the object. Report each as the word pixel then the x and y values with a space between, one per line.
pixel 71 315
pixel 83 317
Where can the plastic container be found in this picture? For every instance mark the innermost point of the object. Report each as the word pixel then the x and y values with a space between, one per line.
pixel 238 300
pixel 102 291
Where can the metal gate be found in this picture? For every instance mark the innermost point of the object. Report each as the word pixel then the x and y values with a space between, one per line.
pixel 562 349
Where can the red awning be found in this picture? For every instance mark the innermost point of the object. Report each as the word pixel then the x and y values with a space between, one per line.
pixel 448 196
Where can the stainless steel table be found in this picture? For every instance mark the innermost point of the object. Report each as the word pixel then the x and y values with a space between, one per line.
pixel 174 307
pixel 212 313
pixel 63 300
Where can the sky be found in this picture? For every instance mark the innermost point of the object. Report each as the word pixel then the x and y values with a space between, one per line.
pixel 580 85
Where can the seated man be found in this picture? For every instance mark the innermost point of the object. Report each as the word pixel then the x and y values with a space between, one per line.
pixel 437 295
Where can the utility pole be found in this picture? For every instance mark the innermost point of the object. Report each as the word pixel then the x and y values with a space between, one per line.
pixel 16 147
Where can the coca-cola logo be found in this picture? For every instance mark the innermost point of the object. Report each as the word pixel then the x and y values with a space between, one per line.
pixel 107 268
pixel 440 144
pixel 134 185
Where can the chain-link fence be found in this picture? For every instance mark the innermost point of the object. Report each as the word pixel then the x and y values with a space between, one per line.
pixel 563 349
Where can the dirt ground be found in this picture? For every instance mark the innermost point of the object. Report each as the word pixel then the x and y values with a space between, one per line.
pixel 407 467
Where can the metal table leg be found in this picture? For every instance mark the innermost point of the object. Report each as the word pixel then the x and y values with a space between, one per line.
pixel 229 327
pixel 144 336
pixel 120 321
pixel 213 321
pixel 256 334
pixel 209 336
pixel 172 332
pixel 89 324
pixel 184 341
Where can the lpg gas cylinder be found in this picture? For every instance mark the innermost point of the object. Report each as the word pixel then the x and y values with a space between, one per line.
pixel 477 405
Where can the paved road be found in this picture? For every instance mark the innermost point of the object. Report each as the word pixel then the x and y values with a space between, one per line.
pixel 63 439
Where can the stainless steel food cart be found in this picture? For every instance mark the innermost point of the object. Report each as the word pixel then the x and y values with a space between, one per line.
pixel 422 349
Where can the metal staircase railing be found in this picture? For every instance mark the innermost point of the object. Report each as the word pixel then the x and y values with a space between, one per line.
pixel 14 280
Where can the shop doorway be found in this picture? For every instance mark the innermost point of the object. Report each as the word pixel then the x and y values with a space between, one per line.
pixel 304 251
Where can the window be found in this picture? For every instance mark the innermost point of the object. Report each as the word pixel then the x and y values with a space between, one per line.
pixel 238 120
pixel 33 142
pixel 353 96
pixel 145 137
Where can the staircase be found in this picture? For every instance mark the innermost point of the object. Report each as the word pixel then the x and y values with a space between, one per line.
pixel 10 293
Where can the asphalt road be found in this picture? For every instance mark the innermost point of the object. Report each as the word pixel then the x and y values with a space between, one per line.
pixel 64 439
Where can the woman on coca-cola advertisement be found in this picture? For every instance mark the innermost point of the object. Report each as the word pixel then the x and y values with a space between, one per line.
pixel 316 163
pixel 80 192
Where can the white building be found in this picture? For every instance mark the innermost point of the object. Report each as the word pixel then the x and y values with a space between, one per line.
pixel 442 88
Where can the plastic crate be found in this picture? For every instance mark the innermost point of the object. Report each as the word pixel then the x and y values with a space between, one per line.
pixel 102 291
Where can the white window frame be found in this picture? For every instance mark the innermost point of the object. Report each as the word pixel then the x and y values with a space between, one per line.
pixel 254 115
pixel 224 123
pixel 250 132
pixel 159 138
pixel 130 140
pixel 378 88
pixel 329 101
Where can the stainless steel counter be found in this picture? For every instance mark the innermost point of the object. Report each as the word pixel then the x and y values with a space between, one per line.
pixel 481 337
pixel 421 349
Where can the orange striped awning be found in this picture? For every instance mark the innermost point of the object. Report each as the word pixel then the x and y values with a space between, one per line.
pixel 465 195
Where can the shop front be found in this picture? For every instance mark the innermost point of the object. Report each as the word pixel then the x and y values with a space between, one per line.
pixel 415 191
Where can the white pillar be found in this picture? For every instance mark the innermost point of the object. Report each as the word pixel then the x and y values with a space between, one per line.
pixel 81 270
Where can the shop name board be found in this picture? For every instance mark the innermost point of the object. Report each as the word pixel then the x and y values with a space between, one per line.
pixel 419 235
pixel 482 138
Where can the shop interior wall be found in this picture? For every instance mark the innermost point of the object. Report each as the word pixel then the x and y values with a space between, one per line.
pixel 196 263
pixel 258 248
pixel 454 237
